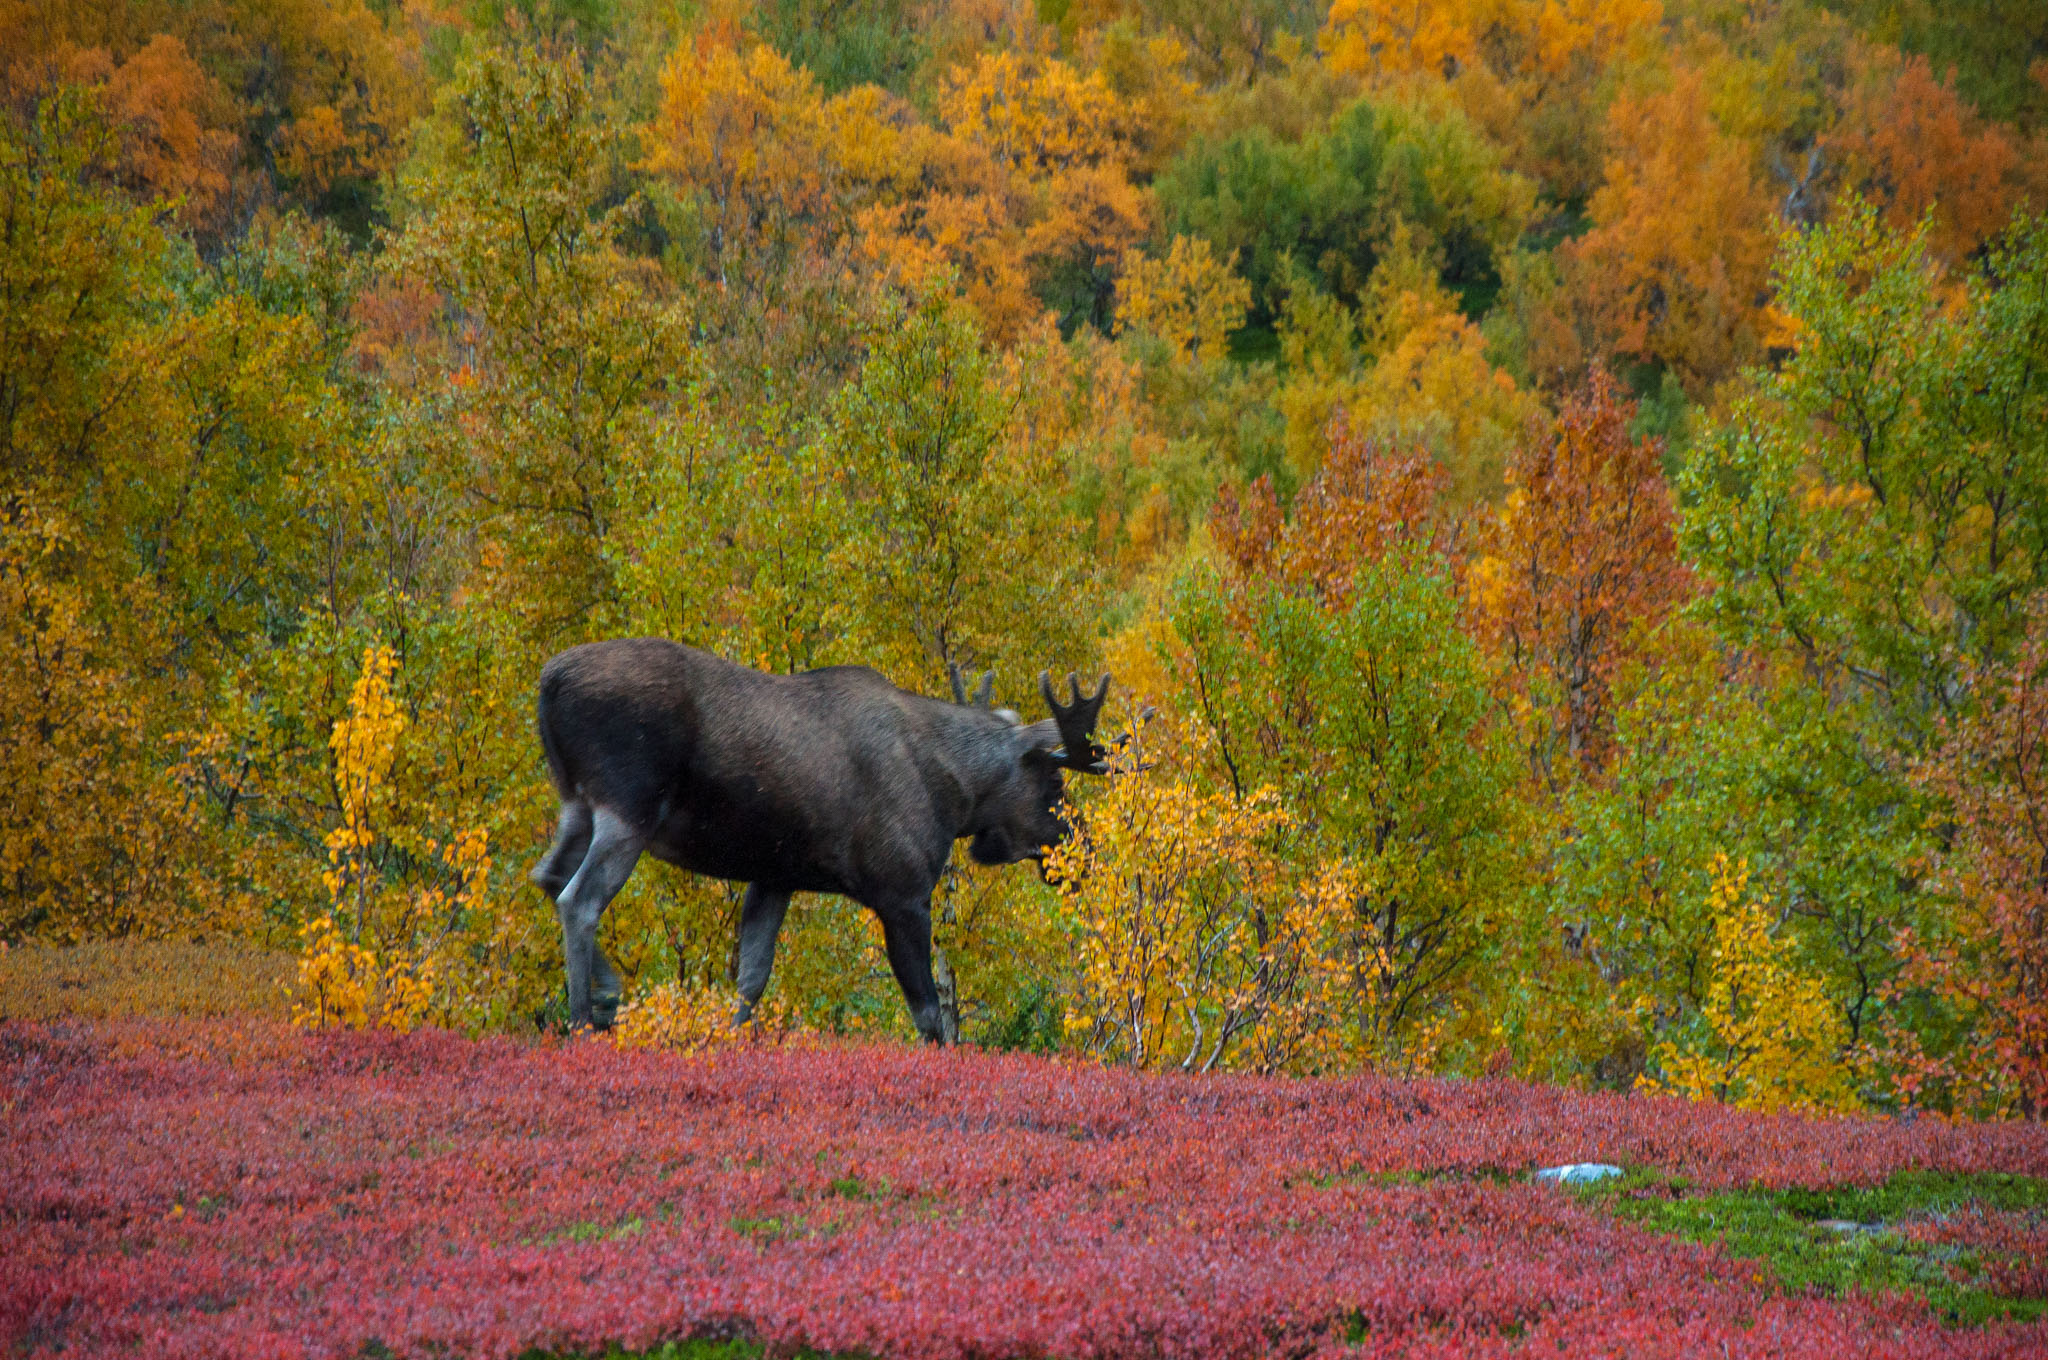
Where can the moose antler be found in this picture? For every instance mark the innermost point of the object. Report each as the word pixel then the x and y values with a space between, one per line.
pixel 984 692
pixel 1076 722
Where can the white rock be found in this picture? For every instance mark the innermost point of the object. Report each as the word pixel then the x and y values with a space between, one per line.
pixel 1849 1227
pixel 1578 1173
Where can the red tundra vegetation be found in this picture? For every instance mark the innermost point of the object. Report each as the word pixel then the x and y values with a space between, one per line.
pixel 215 1188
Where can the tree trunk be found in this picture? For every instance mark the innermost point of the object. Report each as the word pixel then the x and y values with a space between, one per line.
pixel 949 996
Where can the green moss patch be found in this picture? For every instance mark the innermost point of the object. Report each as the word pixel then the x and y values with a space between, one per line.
pixel 1870 1239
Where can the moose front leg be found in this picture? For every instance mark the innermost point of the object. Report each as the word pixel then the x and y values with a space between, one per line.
pixel 760 922
pixel 907 931
pixel 614 849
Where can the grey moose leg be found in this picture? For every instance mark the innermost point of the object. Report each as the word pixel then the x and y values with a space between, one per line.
pixel 565 856
pixel 614 849
pixel 760 923
pixel 907 931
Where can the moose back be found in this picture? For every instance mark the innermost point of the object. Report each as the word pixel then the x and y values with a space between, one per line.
pixel 830 781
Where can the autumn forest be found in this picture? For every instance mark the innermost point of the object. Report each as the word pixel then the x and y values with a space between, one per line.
pixel 1561 487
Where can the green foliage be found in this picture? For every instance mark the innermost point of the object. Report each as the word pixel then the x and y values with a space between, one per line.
pixel 1032 1025
pixel 672 1350
pixel 1869 521
pixel 1765 773
pixel 1785 1232
pixel 576 354
pixel 866 42
pixel 1371 723
pixel 1878 507
pixel 1263 201
pixel 959 549
pixel 1327 202
pixel 83 270
pixel 169 433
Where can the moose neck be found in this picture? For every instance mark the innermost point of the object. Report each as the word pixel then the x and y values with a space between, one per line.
pixel 981 750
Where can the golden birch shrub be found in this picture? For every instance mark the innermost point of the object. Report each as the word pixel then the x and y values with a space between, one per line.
pixel 1198 946
pixel 685 1017
pixel 1772 1040
pixel 411 934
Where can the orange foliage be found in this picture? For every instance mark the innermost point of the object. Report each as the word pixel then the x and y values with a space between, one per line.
pixel 396 336
pixel 1441 37
pixel 1091 218
pixel 1026 178
pixel 684 1018
pixel 1037 115
pixel 170 119
pixel 1674 270
pixel 324 90
pixel 1435 383
pixel 966 224
pixel 1909 143
pixel 1993 767
pixel 1032 176
pixel 1525 69
pixel 1401 36
pixel 1581 558
pixel 1368 499
pixel 754 137
pixel 169 115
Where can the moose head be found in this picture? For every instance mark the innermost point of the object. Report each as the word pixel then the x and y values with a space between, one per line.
pixel 1024 817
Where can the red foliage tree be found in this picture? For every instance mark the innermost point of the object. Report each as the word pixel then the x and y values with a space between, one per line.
pixel 1993 767
pixel 1580 559
pixel 1367 498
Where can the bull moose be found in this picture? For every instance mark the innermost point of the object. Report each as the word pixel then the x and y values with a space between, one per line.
pixel 831 781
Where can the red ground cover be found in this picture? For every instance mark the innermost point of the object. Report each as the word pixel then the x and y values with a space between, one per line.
pixel 209 1188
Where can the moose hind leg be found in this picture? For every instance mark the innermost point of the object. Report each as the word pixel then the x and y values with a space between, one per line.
pixel 907 931
pixel 614 849
pixel 606 990
pixel 565 856
pixel 760 923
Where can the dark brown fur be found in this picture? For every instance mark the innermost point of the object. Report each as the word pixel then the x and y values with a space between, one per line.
pixel 831 781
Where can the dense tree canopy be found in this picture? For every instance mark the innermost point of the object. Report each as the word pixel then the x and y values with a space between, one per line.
pixel 1560 487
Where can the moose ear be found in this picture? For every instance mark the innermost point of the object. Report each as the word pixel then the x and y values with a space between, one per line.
pixel 1041 738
